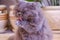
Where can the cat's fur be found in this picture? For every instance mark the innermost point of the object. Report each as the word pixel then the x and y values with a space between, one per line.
pixel 31 22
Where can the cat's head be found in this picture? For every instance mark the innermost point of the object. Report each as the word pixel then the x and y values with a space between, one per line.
pixel 28 12
pixel 29 15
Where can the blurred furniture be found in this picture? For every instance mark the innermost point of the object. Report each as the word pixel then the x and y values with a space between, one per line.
pixel 3 18
pixel 52 13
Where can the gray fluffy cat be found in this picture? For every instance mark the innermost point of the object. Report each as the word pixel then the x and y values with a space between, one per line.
pixel 31 22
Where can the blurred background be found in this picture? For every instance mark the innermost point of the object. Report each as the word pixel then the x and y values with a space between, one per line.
pixel 51 10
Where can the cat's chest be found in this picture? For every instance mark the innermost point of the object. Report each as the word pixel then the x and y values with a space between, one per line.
pixel 27 36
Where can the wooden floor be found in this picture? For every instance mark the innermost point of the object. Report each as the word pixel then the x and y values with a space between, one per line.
pixel 5 36
pixel 56 35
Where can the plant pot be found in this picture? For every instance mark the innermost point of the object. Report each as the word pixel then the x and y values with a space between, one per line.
pixel 13 18
pixel 3 18
pixel 52 13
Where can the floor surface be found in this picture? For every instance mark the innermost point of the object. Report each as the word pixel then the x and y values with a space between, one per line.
pixel 5 36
